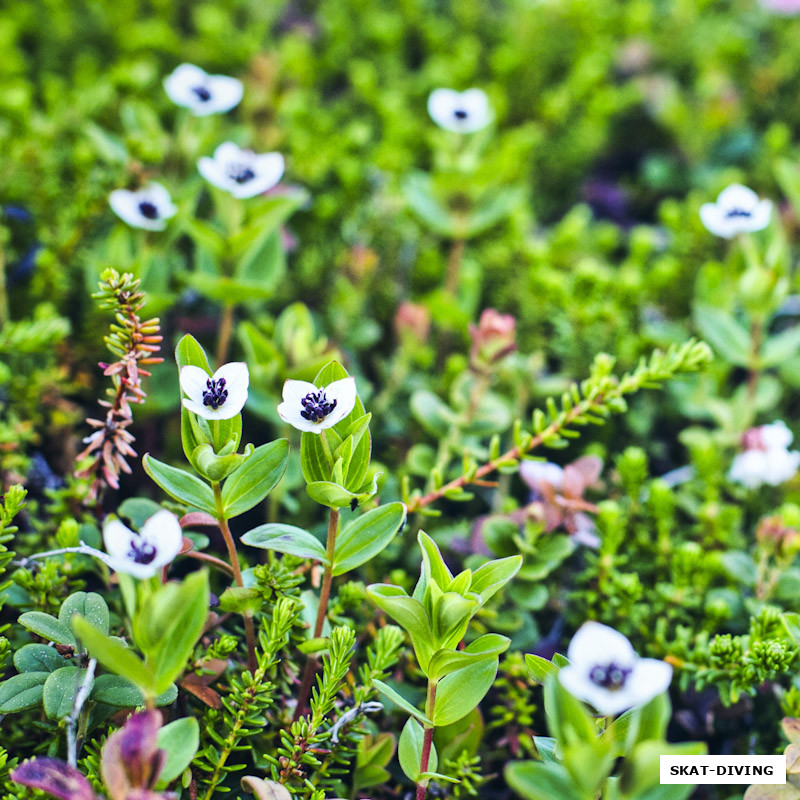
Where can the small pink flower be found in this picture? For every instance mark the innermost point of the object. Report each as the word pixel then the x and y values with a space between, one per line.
pixel 783 7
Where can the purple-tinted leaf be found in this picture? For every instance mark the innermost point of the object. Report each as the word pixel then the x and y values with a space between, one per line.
pixel 54 777
pixel 131 758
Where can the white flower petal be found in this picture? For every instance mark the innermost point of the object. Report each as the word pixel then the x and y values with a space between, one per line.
pixel 218 93
pixel 212 171
pixel 737 196
pixel 776 435
pixel 344 393
pixel 607 702
pixel 117 538
pixel 228 152
pixel 712 217
pixel 237 381
pixel 295 391
pixel 650 677
pixel 230 160
pixel 761 215
pixel 130 567
pixel 594 638
pixel 163 531
pixel 461 112
pixel 226 93
pixel 194 381
pixel 749 468
pixel 290 414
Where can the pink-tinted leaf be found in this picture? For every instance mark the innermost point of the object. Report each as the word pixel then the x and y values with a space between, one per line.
pixel 54 777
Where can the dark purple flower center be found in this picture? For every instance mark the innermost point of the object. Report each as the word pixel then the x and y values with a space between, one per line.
pixel 148 209
pixel 316 406
pixel 142 552
pixel 240 173
pixel 738 212
pixel 203 95
pixel 609 676
pixel 460 113
pixel 215 394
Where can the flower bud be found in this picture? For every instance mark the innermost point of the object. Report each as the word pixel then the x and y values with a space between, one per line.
pixel 493 338
pixel 412 321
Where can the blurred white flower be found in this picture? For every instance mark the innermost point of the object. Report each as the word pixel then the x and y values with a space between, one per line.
pixel 783 7
pixel 461 112
pixel 143 554
pixel 766 458
pixel 243 173
pixel 220 396
pixel 203 94
pixel 605 671
pixel 737 210
pixel 149 208
pixel 312 409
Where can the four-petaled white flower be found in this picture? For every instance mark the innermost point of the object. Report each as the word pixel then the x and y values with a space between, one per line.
pixel 312 409
pixel 143 554
pixel 766 458
pixel 243 173
pixel 737 210
pixel 218 396
pixel 203 94
pixel 150 207
pixel 605 671
pixel 461 112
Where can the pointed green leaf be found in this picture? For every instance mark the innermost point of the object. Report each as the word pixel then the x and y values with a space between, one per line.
pixel 366 536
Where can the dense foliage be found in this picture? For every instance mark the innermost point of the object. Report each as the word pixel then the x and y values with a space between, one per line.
pixel 364 579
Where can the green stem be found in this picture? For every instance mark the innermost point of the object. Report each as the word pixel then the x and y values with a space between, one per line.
pixel 249 628
pixel 756 335
pixel 3 291
pixel 225 333
pixel 427 742
pixel 327 448
pixel 453 274
pixel 322 610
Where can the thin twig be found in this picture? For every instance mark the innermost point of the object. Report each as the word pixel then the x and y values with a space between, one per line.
pixel 82 549
pixel 72 719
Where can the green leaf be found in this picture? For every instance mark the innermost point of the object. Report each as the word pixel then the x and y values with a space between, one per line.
pixel 434 415
pixel 180 739
pixel 90 606
pixel 114 656
pixel 538 780
pixel 461 691
pixel 313 461
pixel 38 658
pixel 400 701
pixel 181 485
pixel 47 627
pixel 189 352
pixel 422 200
pixel 241 599
pixel 22 692
pixel 539 668
pixel 256 477
pixel 264 264
pixel 727 336
pixel 226 290
pixel 286 539
pixel 365 537
pixel 137 510
pixel 168 625
pixel 484 648
pixel 114 690
pixel 330 494
pixel 59 691
pixel 488 579
pixel 781 347
pixel 409 614
pixel 567 718
pixel 409 750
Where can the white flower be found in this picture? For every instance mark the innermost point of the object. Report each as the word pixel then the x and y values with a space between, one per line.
pixel 219 396
pixel 766 458
pixel 143 554
pixel 461 112
pixel 737 210
pixel 534 473
pixel 203 94
pixel 312 409
pixel 605 671
pixel 150 207
pixel 243 173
